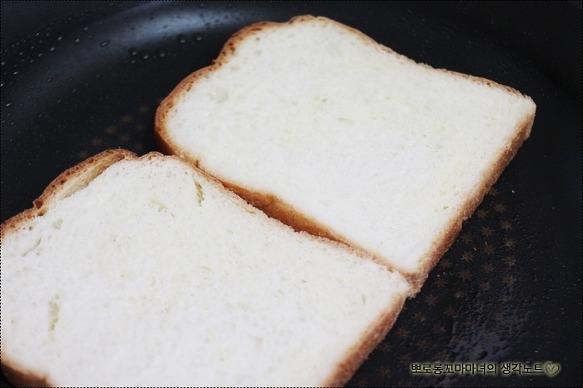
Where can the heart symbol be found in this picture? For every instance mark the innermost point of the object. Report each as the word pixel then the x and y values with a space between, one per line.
pixel 551 369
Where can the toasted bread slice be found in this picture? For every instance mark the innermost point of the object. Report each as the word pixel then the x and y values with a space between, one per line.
pixel 335 134
pixel 145 271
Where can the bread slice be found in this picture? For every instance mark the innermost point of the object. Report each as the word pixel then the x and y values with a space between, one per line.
pixel 145 271
pixel 335 134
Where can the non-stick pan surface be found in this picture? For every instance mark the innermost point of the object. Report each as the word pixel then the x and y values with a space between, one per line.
pixel 80 77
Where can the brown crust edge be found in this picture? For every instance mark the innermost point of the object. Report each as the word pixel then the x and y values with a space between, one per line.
pixel 472 203
pixel 65 184
pixel 20 378
pixel 360 351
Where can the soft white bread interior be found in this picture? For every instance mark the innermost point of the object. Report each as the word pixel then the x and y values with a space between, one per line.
pixel 335 134
pixel 145 271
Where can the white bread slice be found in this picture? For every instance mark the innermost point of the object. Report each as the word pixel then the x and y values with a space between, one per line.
pixel 145 271
pixel 335 134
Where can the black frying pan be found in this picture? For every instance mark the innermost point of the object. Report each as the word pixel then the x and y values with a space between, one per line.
pixel 80 77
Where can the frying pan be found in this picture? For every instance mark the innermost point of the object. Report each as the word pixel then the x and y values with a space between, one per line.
pixel 81 77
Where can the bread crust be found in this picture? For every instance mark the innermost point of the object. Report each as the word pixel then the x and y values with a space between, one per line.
pixel 65 184
pixel 21 378
pixel 370 340
pixel 475 199
pixel 277 208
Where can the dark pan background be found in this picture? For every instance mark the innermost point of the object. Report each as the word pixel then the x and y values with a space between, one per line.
pixel 80 77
